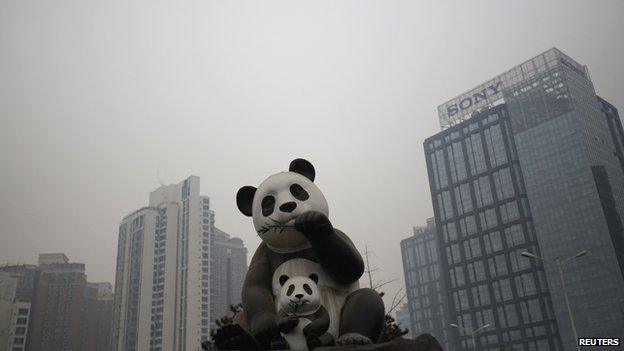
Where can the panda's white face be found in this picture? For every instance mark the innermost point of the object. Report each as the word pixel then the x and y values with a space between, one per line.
pixel 299 295
pixel 278 201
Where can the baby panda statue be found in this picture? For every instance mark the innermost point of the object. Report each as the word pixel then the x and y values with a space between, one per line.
pixel 303 321
pixel 290 214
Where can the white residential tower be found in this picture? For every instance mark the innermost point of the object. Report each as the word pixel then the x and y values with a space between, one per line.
pixel 164 277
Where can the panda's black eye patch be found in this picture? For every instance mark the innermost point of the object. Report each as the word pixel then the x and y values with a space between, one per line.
pixel 307 289
pixel 290 290
pixel 299 193
pixel 268 205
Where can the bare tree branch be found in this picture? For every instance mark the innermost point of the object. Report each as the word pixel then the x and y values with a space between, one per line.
pixel 399 296
pixel 382 283
pixel 396 301
pixel 369 270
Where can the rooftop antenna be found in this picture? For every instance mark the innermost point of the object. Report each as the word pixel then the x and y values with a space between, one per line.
pixel 159 178
pixel 162 183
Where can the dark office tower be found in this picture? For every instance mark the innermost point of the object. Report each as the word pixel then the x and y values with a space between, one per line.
pixel 531 161
pixel 229 266
pixel 615 127
pixel 58 306
pixel 614 221
pixel 403 319
pixel 426 291
pixel 484 224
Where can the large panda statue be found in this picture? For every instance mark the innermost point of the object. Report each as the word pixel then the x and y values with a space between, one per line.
pixel 290 214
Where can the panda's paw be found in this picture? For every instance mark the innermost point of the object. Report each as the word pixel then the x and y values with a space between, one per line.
pixel 353 339
pixel 233 337
pixel 287 324
pixel 313 341
pixel 263 327
pixel 279 343
pixel 312 223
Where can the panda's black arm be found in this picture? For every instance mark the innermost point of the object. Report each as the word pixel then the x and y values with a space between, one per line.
pixel 337 254
pixel 339 257
pixel 319 325
pixel 257 297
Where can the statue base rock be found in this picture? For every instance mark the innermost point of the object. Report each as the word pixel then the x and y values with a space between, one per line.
pixel 424 342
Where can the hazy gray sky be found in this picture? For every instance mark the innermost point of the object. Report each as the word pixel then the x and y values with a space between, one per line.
pixel 97 96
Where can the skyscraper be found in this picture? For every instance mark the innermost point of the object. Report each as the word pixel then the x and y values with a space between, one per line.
pixel 531 161
pixel 425 289
pixel 404 321
pixel 166 263
pixel 228 272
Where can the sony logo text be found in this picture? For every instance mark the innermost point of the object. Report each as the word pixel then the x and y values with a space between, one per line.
pixel 468 101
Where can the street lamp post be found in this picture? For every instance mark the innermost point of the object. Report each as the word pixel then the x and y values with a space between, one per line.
pixel 560 265
pixel 473 333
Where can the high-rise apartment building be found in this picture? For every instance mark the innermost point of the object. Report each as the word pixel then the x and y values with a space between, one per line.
pixel 17 289
pixel 425 289
pixel 98 316
pixel 58 307
pixel 166 263
pixel 530 161
pixel 51 306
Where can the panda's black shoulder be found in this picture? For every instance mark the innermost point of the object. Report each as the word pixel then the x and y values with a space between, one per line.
pixel 344 236
pixel 260 255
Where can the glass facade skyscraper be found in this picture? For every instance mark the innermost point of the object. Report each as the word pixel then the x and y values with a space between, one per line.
pixel 531 161
pixel 484 223
pixel 404 321
pixel 229 258
pixel 424 287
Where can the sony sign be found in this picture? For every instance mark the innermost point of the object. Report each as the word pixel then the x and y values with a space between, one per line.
pixel 468 101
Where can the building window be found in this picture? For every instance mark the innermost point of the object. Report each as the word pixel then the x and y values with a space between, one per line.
pixel 483 191
pixel 503 184
pixel 495 145
pixel 476 157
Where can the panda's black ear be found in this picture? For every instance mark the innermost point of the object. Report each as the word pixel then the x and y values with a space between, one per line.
pixel 302 167
pixel 283 279
pixel 244 199
pixel 314 277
